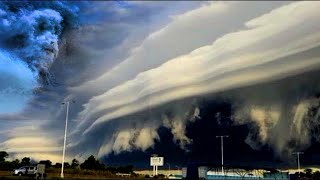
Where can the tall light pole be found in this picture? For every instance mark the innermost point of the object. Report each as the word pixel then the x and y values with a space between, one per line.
pixel 169 169
pixel 65 137
pixel 221 138
pixel 298 157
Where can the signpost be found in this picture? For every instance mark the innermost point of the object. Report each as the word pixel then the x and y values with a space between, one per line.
pixel 155 162
pixel 41 168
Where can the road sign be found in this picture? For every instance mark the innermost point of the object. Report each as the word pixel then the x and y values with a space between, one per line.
pixel 156 161
pixel 41 168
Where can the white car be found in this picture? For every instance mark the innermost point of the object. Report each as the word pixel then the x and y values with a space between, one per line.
pixel 25 171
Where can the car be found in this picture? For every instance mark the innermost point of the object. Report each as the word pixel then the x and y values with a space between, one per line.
pixel 25 171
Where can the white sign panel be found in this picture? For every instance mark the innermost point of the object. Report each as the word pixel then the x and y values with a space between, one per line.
pixel 156 161
pixel 41 168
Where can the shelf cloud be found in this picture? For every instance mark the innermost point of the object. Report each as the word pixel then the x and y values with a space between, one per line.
pixel 268 47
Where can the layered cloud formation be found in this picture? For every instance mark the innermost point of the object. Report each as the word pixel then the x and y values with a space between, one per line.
pixel 269 47
pixel 128 84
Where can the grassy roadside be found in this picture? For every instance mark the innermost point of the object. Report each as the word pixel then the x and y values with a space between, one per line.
pixel 74 175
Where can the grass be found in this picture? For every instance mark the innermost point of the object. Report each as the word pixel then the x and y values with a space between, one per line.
pixel 77 173
pixel 73 174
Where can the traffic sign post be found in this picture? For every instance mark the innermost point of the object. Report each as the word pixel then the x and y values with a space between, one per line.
pixel 41 168
pixel 155 162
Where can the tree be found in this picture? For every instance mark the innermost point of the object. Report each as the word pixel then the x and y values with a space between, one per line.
pixel 57 165
pixel 92 163
pixel 66 165
pixel 75 163
pixel 3 156
pixel 6 166
pixel 308 172
pixel 125 169
pixel 25 161
pixel 316 175
pixel 48 163
pixel 15 163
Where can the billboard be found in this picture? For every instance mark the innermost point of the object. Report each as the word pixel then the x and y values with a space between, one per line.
pixel 156 161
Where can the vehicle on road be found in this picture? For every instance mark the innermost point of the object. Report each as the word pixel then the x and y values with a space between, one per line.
pixel 25 171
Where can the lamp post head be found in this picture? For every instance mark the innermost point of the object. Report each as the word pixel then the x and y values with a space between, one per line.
pixel 69 101
pixel 298 153
pixel 222 136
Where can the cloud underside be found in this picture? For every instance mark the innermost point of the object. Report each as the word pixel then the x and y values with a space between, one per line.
pixel 272 47
pixel 281 43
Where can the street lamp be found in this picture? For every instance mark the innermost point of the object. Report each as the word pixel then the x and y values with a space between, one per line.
pixel 65 136
pixel 221 137
pixel 169 169
pixel 298 157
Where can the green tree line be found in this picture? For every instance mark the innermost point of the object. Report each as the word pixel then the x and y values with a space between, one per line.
pixel 89 164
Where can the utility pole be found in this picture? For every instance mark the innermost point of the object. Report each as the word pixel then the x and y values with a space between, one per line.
pixel 65 137
pixel 221 138
pixel 298 157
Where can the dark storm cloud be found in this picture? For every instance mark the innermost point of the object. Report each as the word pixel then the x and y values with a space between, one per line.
pixel 258 53
pixel 284 112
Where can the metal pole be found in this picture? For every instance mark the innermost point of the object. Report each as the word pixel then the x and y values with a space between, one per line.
pixel 154 170
pixel 299 163
pixel 169 169
pixel 64 142
pixel 221 139
pixel 222 154
pixel 298 157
